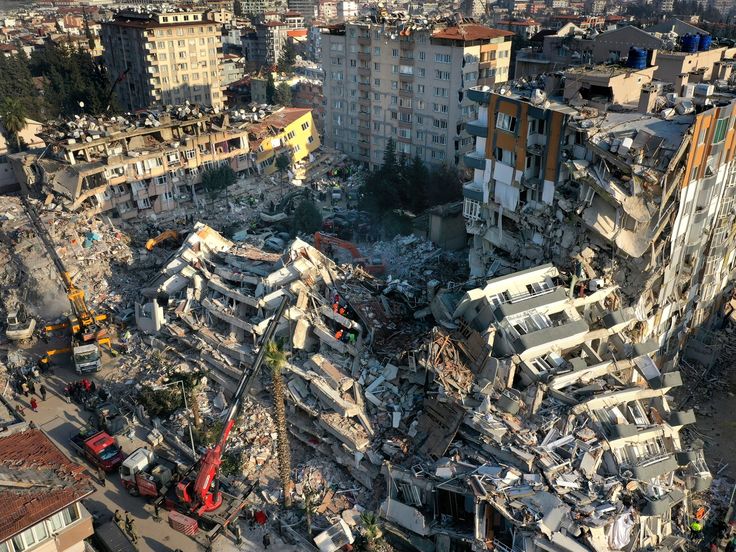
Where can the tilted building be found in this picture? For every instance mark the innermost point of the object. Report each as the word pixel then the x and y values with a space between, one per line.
pixel 393 78
pixel 146 167
pixel 632 185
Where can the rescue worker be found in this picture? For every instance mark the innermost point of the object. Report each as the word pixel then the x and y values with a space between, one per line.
pixel 130 528
pixel 43 392
pixel 338 334
pixel 118 519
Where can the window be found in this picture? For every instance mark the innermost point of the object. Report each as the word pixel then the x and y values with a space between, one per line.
pixel 353 63
pixel 376 66
pixel 506 122
pixel 442 58
pixel 437 155
pixel 405 102
pixel 404 133
pixel 291 134
pixel 420 120
pixel 144 203
pixel 377 82
pixel 305 125
pixel 420 89
pixel 439 123
pixel 377 51
pixel 441 75
pixel 394 69
pixel 438 138
pixel 439 108
pixel 394 85
pixel 721 127
pixel 422 55
pixel 394 100
pixel 440 92
pixel 421 72
pixel 395 52
pixel 420 104
pixel 406 69
pixel 507 157
pixel 377 96
pixel 310 139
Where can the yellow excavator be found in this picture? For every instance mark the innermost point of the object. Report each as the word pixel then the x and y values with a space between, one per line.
pixel 163 236
pixel 87 335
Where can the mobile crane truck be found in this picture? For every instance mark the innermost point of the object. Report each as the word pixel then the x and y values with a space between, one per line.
pixel 197 495
pixel 86 333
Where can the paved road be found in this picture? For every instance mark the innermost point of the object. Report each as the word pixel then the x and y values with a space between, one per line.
pixel 60 420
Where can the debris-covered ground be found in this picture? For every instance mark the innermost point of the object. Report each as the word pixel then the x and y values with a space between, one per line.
pixel 521 414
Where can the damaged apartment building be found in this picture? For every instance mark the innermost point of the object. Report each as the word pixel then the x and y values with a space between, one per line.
pixel 531 417
pixel 151 164
pixel 615 175
pixel 551 430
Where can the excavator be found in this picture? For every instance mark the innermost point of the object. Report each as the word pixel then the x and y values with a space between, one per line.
pixel 326 243
pixel 87 335
pixel 198 493
pixel 163 236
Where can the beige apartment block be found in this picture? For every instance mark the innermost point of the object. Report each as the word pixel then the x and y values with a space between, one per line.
pixel 131 169
pixel 401 80
pixel 163 58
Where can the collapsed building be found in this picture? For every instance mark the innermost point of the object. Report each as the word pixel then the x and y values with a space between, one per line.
pixel 618 177
pixel 145 166
pixel 532 417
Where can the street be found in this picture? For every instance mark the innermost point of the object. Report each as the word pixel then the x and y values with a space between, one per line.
pixel 60 420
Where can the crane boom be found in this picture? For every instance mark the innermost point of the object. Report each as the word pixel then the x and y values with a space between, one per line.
pixel 198 493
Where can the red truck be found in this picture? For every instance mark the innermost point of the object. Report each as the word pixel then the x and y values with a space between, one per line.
pixel 99 448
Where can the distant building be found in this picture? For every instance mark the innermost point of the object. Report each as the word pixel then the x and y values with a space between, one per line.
pixel 264 43
pixel 163 58
pixel 383 83
pixel 42 508
pixel 346 10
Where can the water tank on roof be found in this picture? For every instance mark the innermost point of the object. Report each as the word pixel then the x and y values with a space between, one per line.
pixel 705 42
pixel 689 43
pixel 637 58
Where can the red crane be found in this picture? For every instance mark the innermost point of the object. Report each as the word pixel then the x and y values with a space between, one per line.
pixel 202 493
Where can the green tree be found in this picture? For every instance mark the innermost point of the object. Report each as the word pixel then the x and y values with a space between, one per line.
pixel 307 218
pixel 371 530
pixel 276 359
pixel 217 179
pixel 288 57
pixel 270 89
pixel 13 115
pixel 238 8
pixel 390 164
pixel 283 94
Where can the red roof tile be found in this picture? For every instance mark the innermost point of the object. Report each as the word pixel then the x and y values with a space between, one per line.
pixel 30 457
pixel 470 31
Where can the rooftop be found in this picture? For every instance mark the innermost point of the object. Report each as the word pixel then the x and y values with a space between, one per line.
pixel 470 32
pixel 37 480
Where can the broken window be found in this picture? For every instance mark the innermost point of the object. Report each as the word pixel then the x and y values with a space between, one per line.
pixel 506 122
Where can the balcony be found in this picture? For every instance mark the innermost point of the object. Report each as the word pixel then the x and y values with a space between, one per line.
pixel 477 128
pixel 532 57
pixel 406 93
pixel 406 77
pixel 475 160
pixel 364 40
pixel 364 71
pixel 405 60
pixel 364 56
pixel 479 94
pixel 473 191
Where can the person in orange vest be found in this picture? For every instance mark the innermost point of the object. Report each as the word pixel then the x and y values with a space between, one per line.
pixel 342 311
pixel 339 334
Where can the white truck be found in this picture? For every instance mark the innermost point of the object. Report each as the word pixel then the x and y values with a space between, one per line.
pixel 86 358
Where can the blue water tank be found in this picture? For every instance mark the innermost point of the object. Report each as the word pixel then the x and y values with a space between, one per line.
pixel 689 43
pixel 637 58
pixel 705 42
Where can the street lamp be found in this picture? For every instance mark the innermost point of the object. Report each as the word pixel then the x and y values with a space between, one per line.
pixel 186 407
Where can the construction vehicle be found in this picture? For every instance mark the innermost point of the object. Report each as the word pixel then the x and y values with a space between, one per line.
pixel 326 243
pixel 163 236
pixel 19 326
pixel 198 495
pixel 145 473
pixel 99 448
pixel 86 333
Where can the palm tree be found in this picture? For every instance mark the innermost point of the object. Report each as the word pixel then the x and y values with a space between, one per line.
pixel 371 530
pixel 13 115
pixel 276 359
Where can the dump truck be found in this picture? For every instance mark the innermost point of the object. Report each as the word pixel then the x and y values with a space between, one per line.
pixel 99 448
pixel 145 473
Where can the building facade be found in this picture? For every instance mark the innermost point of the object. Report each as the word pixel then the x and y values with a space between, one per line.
pixel 48 517
pixel 628 195
pixel 263 43
pixel 163 58
pixel 383 82
pixel 289 131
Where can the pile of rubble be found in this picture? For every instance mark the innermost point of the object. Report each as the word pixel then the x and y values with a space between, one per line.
pixel 531 417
